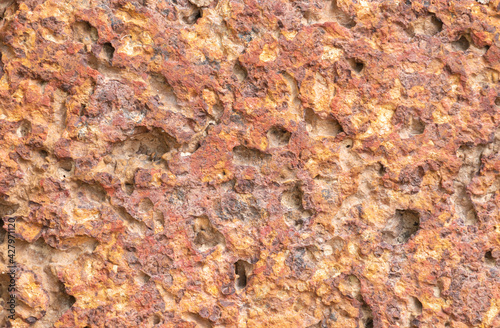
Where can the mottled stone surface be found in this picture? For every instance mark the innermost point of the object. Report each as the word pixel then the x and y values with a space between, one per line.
pixel 251 163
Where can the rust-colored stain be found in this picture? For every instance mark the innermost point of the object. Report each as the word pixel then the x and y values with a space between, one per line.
pixel 251 163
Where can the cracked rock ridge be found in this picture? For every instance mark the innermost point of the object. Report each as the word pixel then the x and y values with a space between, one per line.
pixel 251 163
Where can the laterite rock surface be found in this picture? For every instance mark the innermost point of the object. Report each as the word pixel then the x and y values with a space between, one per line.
pixel 251 163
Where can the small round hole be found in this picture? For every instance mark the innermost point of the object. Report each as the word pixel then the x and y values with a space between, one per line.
pixel 108 51
pixel 348 143
pixel 24 129
pixel 489 259
pixel 356 65
pixel 461 44
pixel 382 169
pixel 66 165
pixel 193 17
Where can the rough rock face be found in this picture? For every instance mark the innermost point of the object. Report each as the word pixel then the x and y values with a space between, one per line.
pixel 251 163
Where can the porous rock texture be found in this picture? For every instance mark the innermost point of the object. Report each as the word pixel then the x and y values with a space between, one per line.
pixel 251 163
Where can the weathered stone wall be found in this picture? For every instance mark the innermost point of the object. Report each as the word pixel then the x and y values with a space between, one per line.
pixel 251 163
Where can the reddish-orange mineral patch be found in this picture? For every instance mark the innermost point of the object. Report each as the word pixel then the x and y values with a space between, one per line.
pixel 251 163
